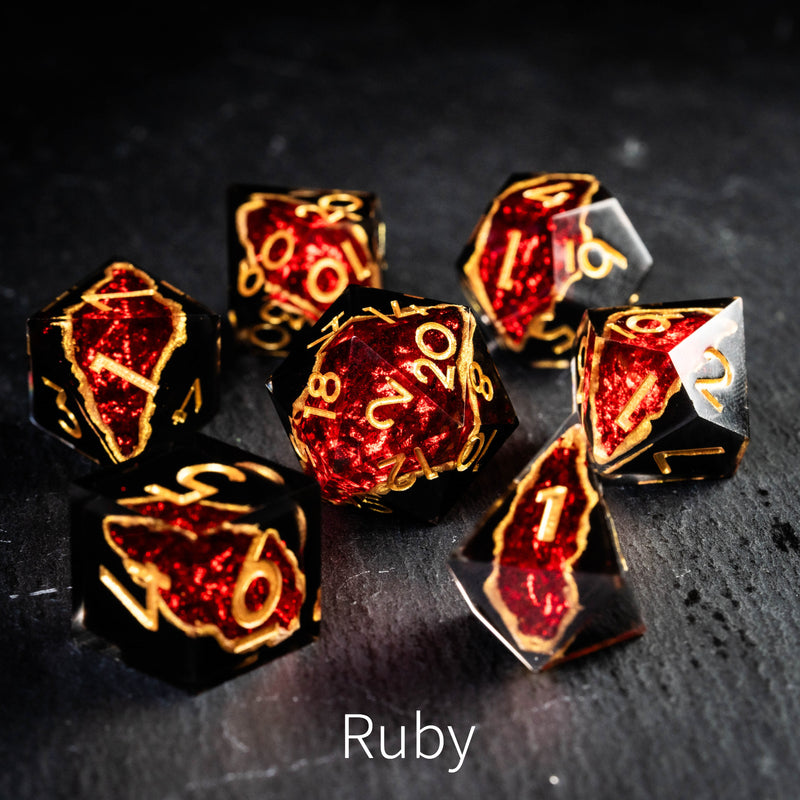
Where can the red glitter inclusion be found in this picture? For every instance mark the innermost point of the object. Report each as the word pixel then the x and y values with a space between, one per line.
pixel 365 355
pixel 623 366
pixel 133 333
pixel 315 239
pixel 532 574
pixel 532 273
pixel 203 571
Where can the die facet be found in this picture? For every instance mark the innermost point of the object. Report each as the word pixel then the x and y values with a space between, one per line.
pixel 662 390
pixel 392 402
pixel 543 570
pixel 197 562
pixel 549 246
pixel 292 253
pixel 120 360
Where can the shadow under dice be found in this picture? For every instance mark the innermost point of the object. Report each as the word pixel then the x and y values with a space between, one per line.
pixel 549 246
pixel 543 570
pixel 121 360
pixel 198 562
pixel 292 253
pixel 662 390
pixel 392 402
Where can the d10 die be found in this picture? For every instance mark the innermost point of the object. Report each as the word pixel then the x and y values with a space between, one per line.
pixel 292 253
pixel 549 246
pixel 197 562
pixel 392 402
pixel 122 360
pixel 543 570
pixel 662 390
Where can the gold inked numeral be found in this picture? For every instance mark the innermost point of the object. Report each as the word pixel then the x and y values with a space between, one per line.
pixel 147 576
pixel 720 383
pixel 97 299
pixel 102 362
pixel 250 278
pixel 312 282
pixel 637 323
pixel 251 570
pixel 333 324
pixel 480 382
pixel 624 419
pixel 360 268
pixel 473 451
pixel 180 416
pixel 187 478
pixel 608 258
pixel 662 456
pixel 504 281
pixel 333 208
pixel 551 195
pixel 399 483
pixel 447 378
pixel 286 241
pixel 564 333
pixel 71 424
pixel 318 383
pixel 553 498
pixel 402 396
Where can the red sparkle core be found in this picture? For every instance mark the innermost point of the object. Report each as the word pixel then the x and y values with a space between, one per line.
pixel 525 289
pixel 203 568
pixel 132 332
pixel 307 257
pixel 533 577
pixel 354 445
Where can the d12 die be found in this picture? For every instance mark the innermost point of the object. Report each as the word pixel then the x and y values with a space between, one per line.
pixel 197 562
pixel 543 570
pixel 662 390
pixel 122 360
pixel 292 253
pixel 392 402
pixel 549 246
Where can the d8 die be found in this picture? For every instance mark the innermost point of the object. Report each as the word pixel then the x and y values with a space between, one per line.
pixel 543 570
pixel 120 360
pixel 292 253
pixel 197 562
pixel 549 246
pixel 662 390
pixel 392 402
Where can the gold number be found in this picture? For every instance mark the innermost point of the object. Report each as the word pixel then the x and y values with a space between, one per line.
pixel 361 269
pixel 447 379
pixel 402 396
pixel 72 427
pixel 103 362
pixel 250 278
pixel 473 451
pixel 187 478
pixel 479 382
pixel 509 259
pixel 637 323
pixel 146 575
pixel 624 419
pixel 553 498
pixel 661 457
pixel 318 387
pixel 97 299
pixel 720 383
pixel 419 338
pixel 333 207
pixel 608 257
pixel 284 236
pixel 333 324
pixel 252 570
pixel 550 195
pixel 316 291
pixel 180 415
pixel 399 483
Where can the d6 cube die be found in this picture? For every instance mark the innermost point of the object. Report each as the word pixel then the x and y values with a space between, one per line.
pixel 392 402
pixel 549 246
pixel 197 562
pixel 543 570
pixel 662 390
pixel 120 361
pixel 292 253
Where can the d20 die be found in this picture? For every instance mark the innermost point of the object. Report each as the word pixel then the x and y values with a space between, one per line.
pixel 292 253
pixel 197 562
pixel 121 360
pixel 543 570
pixel 392 402
pixel 662 390
pixel 549 246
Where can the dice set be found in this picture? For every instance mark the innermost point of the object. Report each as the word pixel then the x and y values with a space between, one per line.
pixel 197 560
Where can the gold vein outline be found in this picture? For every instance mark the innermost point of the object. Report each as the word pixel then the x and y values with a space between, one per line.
pixel 270 635
pixel 177 338
pixel 575 439
pixel 481 236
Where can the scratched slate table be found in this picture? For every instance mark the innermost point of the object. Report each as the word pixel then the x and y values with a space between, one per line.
pixel 123 136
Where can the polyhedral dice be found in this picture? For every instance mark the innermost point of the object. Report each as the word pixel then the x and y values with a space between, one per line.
pixel 122 360
pixel 292 253
pixel 549 246
pixel 662 390
pixel 543 570
pixel 392 402
pixel 197 562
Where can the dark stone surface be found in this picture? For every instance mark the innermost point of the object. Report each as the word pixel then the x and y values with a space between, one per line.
pixel 124 134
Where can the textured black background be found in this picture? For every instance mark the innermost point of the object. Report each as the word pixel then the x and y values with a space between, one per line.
pixel 122 135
